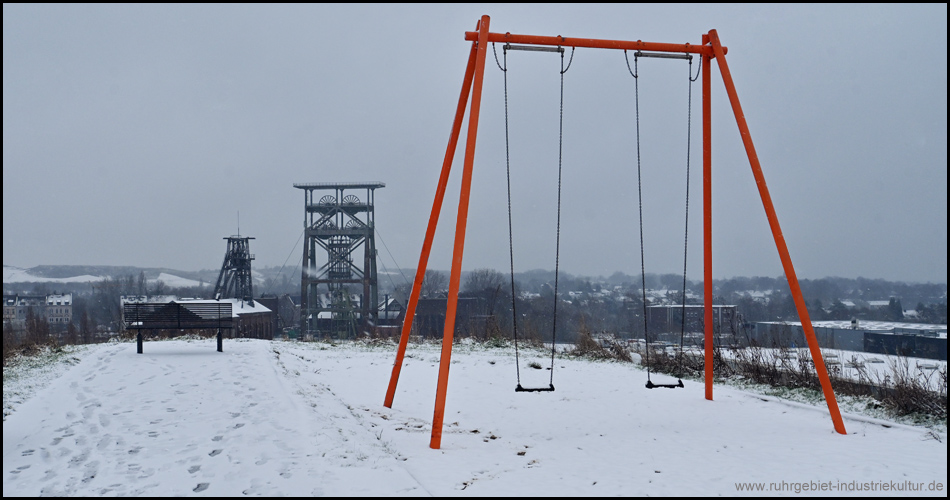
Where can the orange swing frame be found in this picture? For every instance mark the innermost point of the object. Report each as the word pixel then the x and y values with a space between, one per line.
pixel 711 48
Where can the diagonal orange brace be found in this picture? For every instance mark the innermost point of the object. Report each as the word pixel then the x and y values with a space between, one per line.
pixel 777 235
pixel 430 230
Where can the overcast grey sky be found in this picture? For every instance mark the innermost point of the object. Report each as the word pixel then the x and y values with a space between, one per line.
pixel 134 134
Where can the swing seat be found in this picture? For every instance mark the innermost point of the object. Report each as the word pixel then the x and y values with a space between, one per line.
pixel 651 385
pixel 549 388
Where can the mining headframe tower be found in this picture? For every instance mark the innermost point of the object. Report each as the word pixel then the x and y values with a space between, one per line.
pixel 339 222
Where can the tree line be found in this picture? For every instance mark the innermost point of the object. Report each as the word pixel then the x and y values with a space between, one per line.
pixel 97 307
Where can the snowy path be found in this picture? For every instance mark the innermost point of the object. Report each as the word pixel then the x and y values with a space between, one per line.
pixel 183 418
pixel 277 418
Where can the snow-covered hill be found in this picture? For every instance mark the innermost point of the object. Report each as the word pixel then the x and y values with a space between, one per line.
pixel 177 281
pixel 19 275
pixel 12 274
pixel 281 418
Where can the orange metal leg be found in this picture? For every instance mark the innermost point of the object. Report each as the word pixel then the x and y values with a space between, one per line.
pixel 707 227
pixel 779 239
pixel 430 230
pixel 449 334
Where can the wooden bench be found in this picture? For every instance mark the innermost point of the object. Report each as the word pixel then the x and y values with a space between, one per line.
pixel 204 315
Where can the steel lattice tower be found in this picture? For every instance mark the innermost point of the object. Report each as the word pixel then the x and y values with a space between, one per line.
pixel 338 223
pixel 234 280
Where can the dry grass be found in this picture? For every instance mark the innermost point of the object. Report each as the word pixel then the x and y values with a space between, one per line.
pixel 23 344
pixel 911 389
pixel 908 389
pixel 588 347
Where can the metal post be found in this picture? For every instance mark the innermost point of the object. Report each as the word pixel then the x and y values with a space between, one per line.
pixel 449 333
pixel 138 341
pixel 305 262
pixel 708 346
pixel 220 338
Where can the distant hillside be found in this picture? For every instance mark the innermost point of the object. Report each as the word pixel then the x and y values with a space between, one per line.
pixel 70 273
pixel 90 274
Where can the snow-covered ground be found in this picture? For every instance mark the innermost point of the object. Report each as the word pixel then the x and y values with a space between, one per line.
pixel 283 418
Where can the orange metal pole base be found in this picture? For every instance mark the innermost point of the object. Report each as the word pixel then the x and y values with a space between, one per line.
pixel 777 235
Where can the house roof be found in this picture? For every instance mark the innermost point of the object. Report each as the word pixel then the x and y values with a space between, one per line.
pixel 238 306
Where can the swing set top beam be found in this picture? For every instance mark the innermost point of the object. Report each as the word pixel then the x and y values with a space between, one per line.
pixel 595 43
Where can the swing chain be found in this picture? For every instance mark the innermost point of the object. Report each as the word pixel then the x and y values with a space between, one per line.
pixel 635 56
pixel 505 50
pixel 643 288
pixel 511 248
pixel 643 280
pixel 689 130
pixel 557 244
pixel 646 334
pixel 563 69
pixel 504 70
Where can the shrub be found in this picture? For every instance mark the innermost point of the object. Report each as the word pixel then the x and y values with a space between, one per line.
pixel 588 347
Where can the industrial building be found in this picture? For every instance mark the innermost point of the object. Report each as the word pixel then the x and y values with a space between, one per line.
pixel 916 340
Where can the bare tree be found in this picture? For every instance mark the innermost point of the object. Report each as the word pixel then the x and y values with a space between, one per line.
pixel 434 283
pixel 488 286
pixel 85 332
pixel 483 281
pixel 72 336
pixel 158 287
pixel 37 328
pixel 142 284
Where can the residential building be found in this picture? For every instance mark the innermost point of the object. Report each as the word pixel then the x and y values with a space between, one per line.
pixel 59 308
pixel 9 308
pixel 25 303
